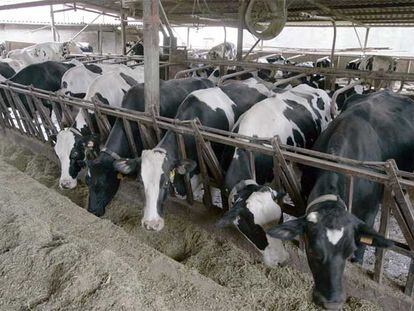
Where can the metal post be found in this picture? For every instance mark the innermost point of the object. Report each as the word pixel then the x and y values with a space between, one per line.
pixel 52 23
pixel 122 16
pixel 240 31
pixel 188 37
pixel 151 55
pixel 366 40
pixel 100 39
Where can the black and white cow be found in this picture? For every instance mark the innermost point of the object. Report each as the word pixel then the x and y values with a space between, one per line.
pixel 222 51
pixel 42 52
pixel 215 107
pixel 297 116
pixel 6 71
pixel 72 144
pixel 76 81
pixel 46 76
pixel 373 63
pixel 102 178
pixel 374 127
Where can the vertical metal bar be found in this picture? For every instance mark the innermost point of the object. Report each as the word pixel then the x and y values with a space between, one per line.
pixel 151 55
pixel 35 119
pixel 380 252
pixel 52 23
pixel 26 119
pixel 409 286
pixel 183 155
pixel 15 114
pixel 242 9
pixel 207 199
pixel 130 137
pixel 366 40
pixel 6 113
pixel 252 164
pixel 122 17
pixel 350 192
pixel 100 39
pixel 155 124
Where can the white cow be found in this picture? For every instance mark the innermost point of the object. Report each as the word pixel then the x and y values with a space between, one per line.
pixel 71 142
pixel 42 52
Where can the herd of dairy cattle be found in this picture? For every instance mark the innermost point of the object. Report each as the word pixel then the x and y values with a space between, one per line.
pixel 370 127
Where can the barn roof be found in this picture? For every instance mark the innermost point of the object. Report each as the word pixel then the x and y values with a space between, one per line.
pixel 220 12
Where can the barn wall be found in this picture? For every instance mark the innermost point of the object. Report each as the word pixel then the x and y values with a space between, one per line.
pixel 33 34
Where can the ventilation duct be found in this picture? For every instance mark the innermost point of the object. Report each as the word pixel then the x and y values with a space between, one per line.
pixel 266 19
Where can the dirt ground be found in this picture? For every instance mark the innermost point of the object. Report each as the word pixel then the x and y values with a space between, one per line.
pixel 56 256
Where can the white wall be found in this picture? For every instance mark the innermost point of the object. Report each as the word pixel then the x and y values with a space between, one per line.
pixel 29 33
pixel 398 39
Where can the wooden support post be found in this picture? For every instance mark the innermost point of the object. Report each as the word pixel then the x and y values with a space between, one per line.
pixel 151 55
pixel 187 180
pixel 380 252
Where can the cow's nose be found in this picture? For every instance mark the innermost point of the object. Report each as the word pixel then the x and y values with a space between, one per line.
pixel 332 305
pixel 67 184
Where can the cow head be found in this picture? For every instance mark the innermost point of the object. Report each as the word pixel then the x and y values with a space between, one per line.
pixel 73 149
pixel 103 182
pixel 157 172
pixel 331 236
pixel 255 207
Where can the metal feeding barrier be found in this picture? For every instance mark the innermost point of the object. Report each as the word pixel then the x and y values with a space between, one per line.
pixel 27 111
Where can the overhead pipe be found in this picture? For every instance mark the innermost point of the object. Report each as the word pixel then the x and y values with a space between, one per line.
pixel 325 18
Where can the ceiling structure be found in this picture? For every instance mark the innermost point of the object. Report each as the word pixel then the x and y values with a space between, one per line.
pixel 225 12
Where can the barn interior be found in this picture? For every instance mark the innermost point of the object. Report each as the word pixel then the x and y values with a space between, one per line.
pixel 199 265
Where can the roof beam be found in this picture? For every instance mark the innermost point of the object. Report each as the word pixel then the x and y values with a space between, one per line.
pixel 32 4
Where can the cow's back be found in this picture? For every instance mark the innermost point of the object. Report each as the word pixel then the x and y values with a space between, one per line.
pixel 45 76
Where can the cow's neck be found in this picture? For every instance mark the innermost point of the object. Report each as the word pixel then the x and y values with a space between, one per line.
pixel 170 145
pixel 239 169
pixel 329 183
pixel 118 142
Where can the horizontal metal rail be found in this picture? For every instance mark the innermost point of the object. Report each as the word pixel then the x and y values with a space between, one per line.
pixel 345 73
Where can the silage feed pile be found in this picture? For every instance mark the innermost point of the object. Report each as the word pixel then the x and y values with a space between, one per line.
pixel 247 284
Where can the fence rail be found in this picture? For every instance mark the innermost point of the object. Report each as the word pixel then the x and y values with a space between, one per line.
pixel 28 111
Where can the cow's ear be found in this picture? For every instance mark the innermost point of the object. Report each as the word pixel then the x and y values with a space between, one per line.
pixel 367 236
pixel 229 217
pixel 127 166
pixel 185 166
pixel 288 230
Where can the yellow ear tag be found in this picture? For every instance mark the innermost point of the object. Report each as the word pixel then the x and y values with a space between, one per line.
pixel 120 176
pixel 172 175
pixel 366 240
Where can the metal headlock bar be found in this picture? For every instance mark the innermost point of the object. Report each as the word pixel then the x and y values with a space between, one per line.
pixel 345 73
pixel 33 119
